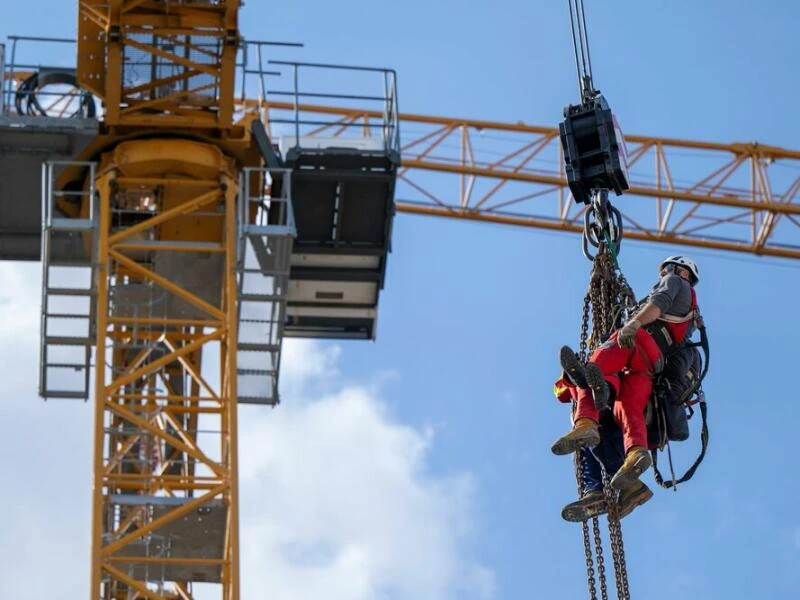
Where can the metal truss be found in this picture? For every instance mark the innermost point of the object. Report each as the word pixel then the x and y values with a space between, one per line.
pixel 165 490
pixel 734 197
pixel 160 64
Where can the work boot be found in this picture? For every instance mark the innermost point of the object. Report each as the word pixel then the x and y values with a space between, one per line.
pixel 591 504
pixel 588 376
pixel 573 367
pixel 637 461
pixel 632 496
pixel 584 434
pixel 598 385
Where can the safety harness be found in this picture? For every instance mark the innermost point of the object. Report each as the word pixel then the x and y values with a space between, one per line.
pixel 664 336
pixel 667 328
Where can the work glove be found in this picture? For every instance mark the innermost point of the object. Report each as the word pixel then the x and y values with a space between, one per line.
pixel 627 335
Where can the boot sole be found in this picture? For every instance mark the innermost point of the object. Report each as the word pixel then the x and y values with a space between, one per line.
pixel 578 514
pixel 572 366
pixel 636 501
pixel 625 478
pixel 589 439
pixel 597 383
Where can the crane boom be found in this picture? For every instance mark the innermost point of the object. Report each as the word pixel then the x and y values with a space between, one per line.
pixel 740 197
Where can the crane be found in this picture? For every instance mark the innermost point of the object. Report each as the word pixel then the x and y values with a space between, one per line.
pixel 698 194
pixel 187 219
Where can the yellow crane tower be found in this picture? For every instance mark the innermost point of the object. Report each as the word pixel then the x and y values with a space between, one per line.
pixel 169 233
pixel 185 231
pixel 167 200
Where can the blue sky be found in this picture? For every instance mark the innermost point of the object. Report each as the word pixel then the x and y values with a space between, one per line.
pixel 471 320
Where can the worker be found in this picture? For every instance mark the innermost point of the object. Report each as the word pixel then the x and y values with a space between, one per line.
pixel 609 455
pixel 622 369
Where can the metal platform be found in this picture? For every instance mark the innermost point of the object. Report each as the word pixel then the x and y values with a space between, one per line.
pixel 40 121
pixel 342 190
pixel 344 208
pixel 26 142
pixel 343 196
pixel 186 549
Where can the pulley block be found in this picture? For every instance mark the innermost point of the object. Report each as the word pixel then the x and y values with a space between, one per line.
pixel 594 149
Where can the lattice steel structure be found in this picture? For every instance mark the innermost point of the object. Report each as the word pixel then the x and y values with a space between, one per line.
pixel 180 204
pixel 740 197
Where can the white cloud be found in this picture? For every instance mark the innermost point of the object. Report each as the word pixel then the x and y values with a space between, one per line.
pixel 19 335
pixel 338 503
pixel 336 497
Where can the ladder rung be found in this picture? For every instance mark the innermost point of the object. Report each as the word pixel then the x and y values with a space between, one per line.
pixel 261 372
pixel 249 347
pixel 64 394
pixel 256 400
pixel 261 297
pixel 142 346
pixel 80 366
pixel 66 316
pixel 61 224
pixel 84 263
pixel 70 291
pixel 52 340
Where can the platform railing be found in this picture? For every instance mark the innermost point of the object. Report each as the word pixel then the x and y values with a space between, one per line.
pixel 266 237
pixel 29 86
pixel 302 121
pixel 68 287
pixel 22 57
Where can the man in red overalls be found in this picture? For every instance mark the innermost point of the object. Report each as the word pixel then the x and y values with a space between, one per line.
pixel 623 367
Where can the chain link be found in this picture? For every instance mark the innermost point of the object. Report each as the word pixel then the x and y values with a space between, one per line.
pixel 608 301
pixel 598 549
pixel 583 347
pixel 615 535
pixel 587 546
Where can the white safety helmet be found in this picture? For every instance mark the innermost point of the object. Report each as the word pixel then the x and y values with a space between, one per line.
pixel 685 262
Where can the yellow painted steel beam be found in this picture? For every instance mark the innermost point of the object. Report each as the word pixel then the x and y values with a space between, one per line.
pixel 721 200
pixel 229 379
pixel 157 560
pixel 519 127
pixel 146 441
pixel 145 425
pixel 181 511
pixel 165 283
pixel 571 228
pixel 730 197
pixel 180 210
pixel 131 583
pixel 172 44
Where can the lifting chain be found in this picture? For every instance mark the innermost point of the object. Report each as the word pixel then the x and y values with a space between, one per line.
pixel 587 544
pixel 598 548
pixel 607 302
pixel 615 535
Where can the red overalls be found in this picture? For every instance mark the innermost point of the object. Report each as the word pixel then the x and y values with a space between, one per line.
pixel 629 371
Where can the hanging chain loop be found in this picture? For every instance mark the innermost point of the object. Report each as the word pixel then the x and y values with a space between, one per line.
pixel 608 302
pixel 602 225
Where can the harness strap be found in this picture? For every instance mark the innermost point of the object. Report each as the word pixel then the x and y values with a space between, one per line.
pixel 661 336
pixel 688 475
pixel 694 313
pixel 704 414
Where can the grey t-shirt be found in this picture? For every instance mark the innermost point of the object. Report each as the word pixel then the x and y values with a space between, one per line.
pixel 673 295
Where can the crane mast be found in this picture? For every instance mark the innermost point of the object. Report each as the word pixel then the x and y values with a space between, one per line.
pixel 164 194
